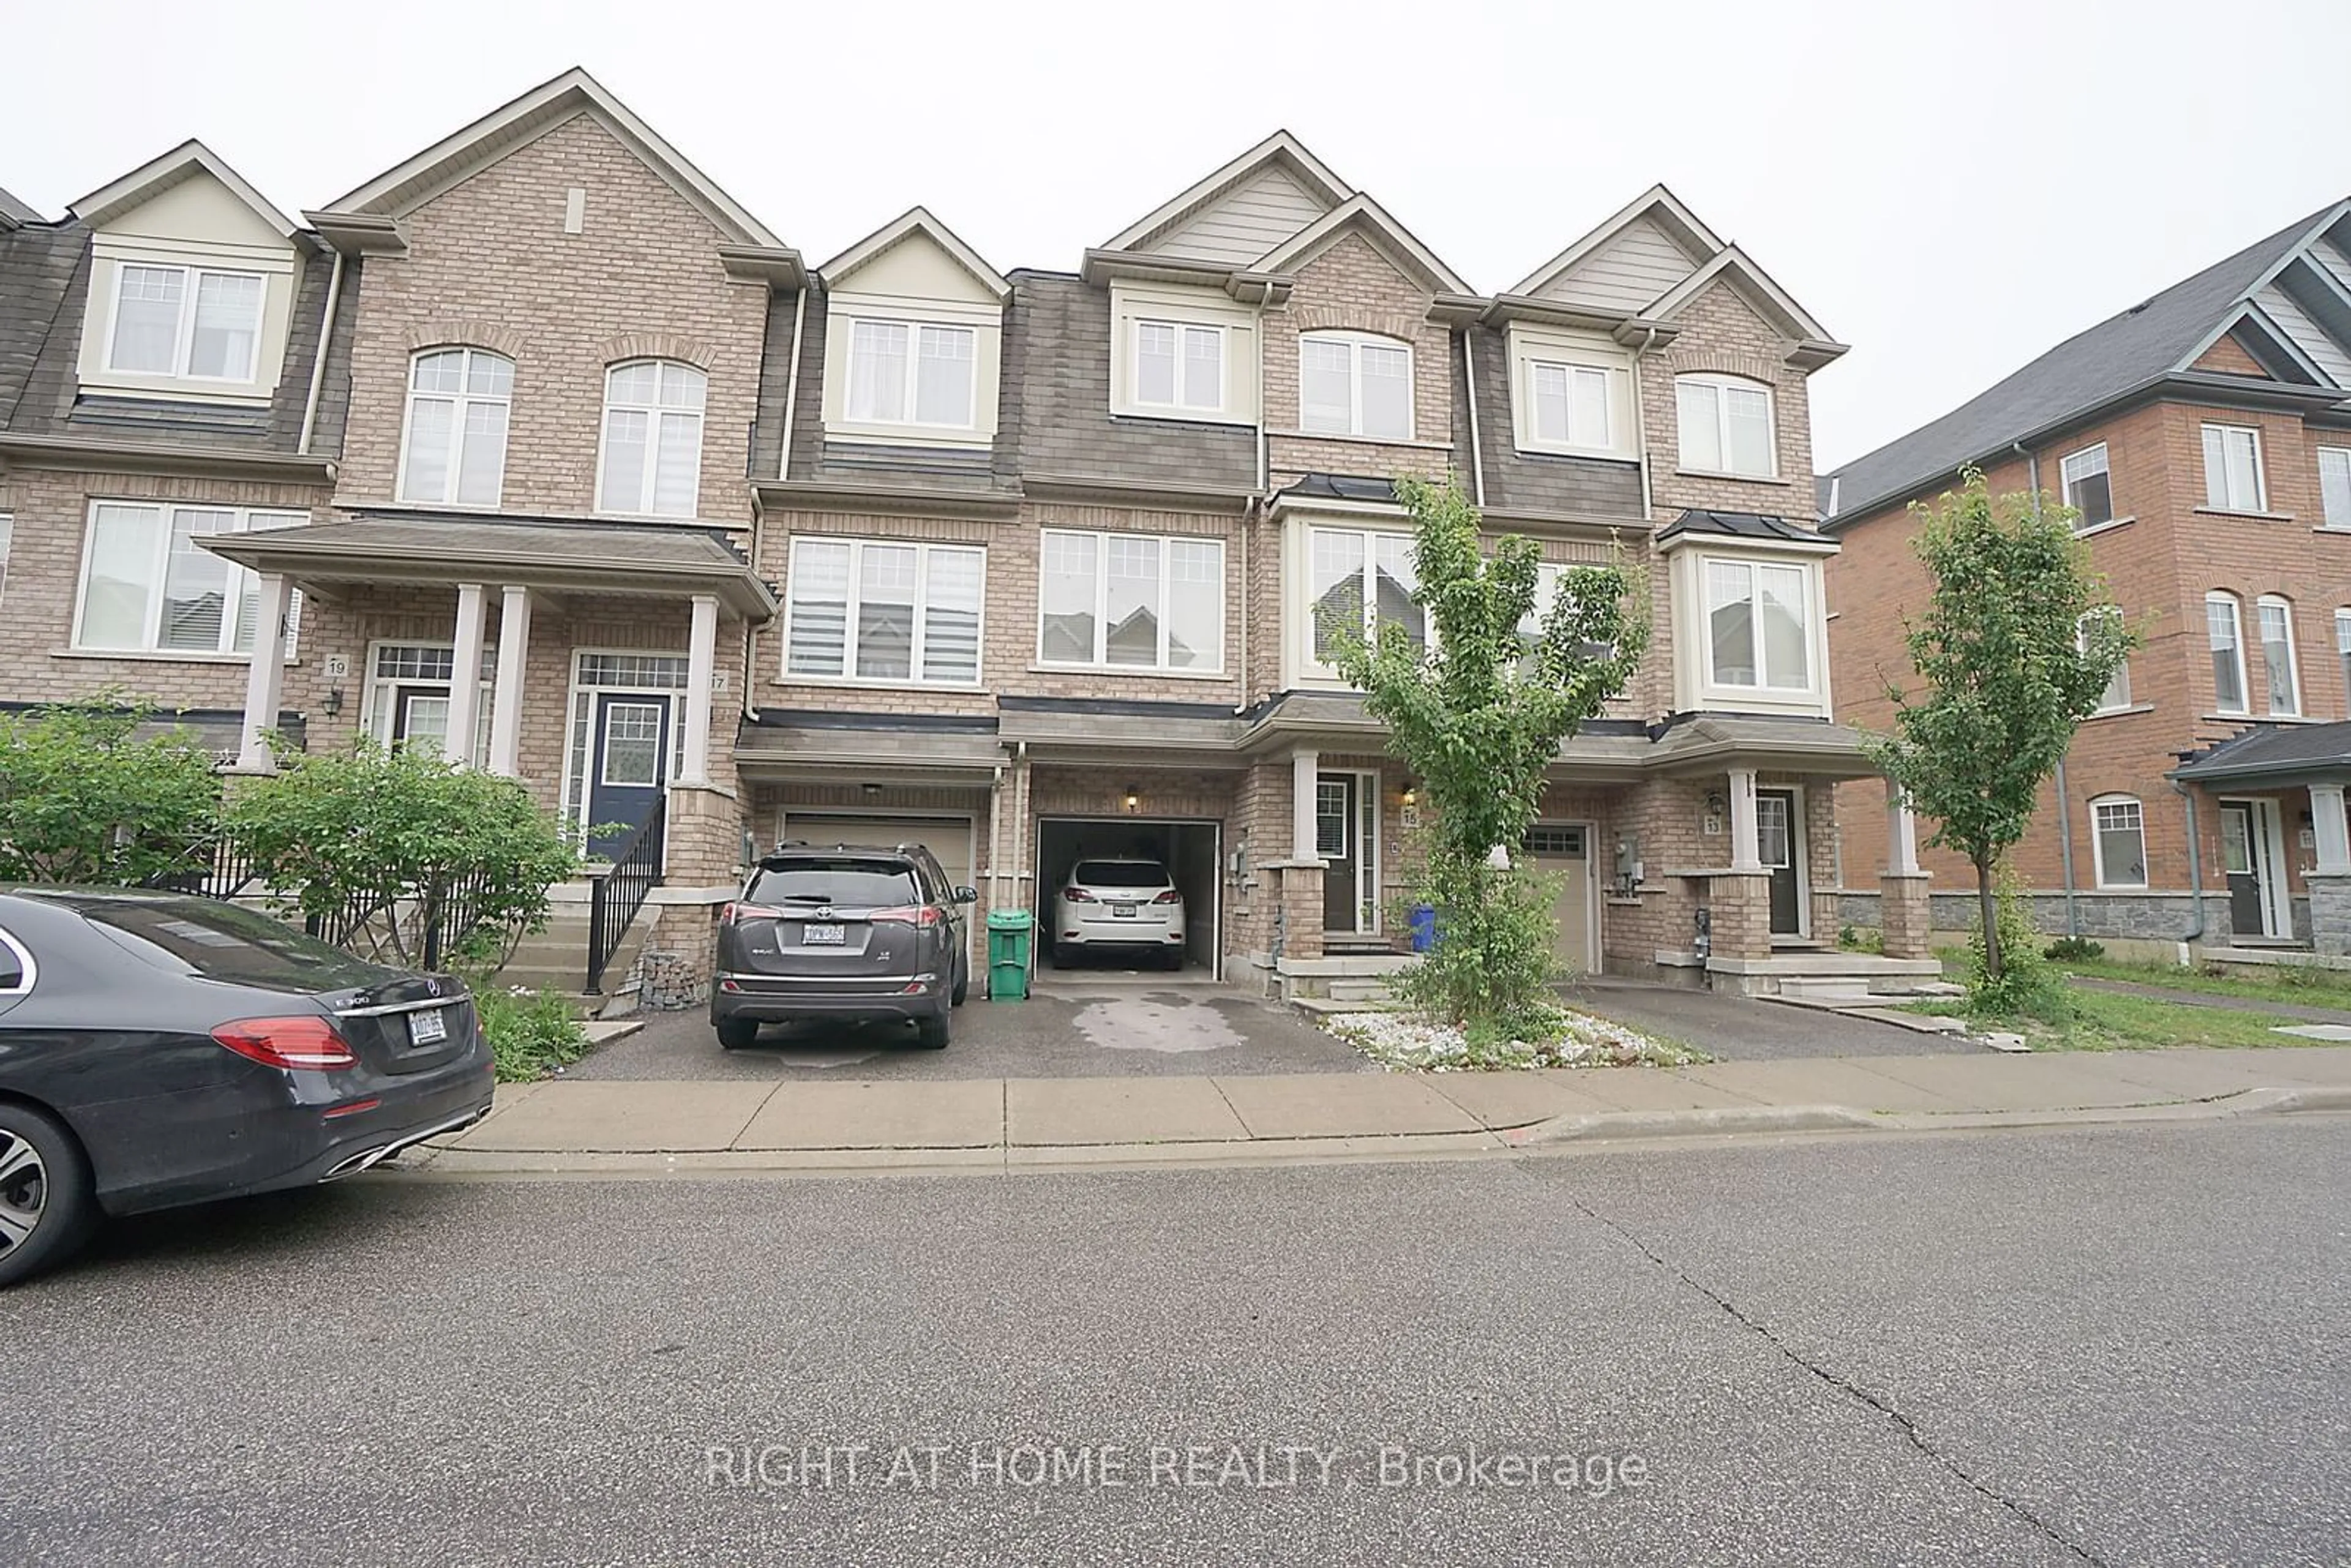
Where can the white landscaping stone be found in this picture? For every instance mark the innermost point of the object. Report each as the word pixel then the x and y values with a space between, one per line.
pixel 1412 1042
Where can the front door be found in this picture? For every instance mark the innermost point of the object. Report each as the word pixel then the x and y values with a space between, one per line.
pixel 629 756
pixel 1564 850
pixel 2249 858
pixel 1778 844
pixel 1345 839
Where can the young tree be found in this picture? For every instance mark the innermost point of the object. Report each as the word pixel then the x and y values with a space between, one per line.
pixel 86 797
pixel 1479 715
pixel 2017 646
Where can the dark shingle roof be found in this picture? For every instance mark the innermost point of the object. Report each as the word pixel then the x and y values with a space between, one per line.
pixel 1342 487
pixel 2271 748
pixel 2121 352
pixel 36 269
pixel 1737 525
pixel 16 212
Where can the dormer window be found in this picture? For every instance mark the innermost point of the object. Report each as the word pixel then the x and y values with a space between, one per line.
pixel 907 373
pixel 1571 393
pixel 1725 426
pixel 186 323
pixel 1352 383
pixel 1179 366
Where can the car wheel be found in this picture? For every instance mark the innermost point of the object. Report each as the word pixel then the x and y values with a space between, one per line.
pixel 1172 958
pixel 931 1033
pixel 737 1034
pixel 46 1206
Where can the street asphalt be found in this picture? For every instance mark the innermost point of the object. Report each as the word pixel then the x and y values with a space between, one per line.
pixel 2125 1345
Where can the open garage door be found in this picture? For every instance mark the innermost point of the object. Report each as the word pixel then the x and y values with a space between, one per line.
pixel 1190 850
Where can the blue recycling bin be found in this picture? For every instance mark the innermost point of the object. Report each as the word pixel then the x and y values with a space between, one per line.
pixel 1424 927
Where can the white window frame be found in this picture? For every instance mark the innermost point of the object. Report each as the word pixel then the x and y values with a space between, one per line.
pixel 379 692
pixel 1314 668
pixel 1763 686
pixel 7 538
pixel 241 582
pixel 1101 659
pixel 2105 875
pixel 191 281
pixel 2117 698
pixel 1181 408
pixel 848 676
pixel 2343 652
pixel 579 741
pixel 1355 343
pixel 2078 467
pixel 2283 607
pixel 655 412
pixel 2335 487
pixel 911 392
pixel 461 399
pixel 2218 495
pixel 2220 599
pixel 1566 440
pixel 1721 383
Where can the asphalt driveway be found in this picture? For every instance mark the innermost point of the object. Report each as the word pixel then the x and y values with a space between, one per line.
pixel 1741 1028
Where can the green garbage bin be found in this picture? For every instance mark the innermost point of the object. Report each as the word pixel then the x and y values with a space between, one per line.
pixel 1007 954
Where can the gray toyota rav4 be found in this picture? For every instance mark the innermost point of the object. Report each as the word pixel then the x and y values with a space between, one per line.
pixel 850 932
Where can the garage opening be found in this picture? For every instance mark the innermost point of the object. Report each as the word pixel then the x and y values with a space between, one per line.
pixel 1190 850
pixel 950 838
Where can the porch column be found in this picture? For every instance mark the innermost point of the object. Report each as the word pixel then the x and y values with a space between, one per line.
pixel 505 699
pixel 1902 833
pixel 701 665
pixel 1746 848
pixel 465 676
pixel 2327 820
pixel 1304 769
pixel 267 677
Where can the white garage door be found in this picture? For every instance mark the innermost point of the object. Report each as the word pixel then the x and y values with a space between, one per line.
pixel 949 838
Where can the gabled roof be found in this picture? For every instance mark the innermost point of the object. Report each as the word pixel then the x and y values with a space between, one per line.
pixel 1658 205
pixel 1280 148
pixel 2160 337
pixel 1360 214
pixel 1734 266
pixel 2271 347
pixel 409 185
pixel 14 213
pixel 915 220
pixel 151 179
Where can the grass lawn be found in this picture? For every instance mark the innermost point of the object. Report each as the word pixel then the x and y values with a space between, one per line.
pixel 2303 987
pixel 2103 1021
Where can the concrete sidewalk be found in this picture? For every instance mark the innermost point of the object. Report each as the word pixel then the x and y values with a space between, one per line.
pixel 619 1128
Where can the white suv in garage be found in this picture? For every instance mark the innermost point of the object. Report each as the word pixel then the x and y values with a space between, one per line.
pixel 1120 904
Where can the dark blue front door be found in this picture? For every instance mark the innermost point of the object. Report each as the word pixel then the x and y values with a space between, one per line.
pixel 627 759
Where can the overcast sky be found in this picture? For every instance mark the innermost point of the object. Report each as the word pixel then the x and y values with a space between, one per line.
pixel 1950 189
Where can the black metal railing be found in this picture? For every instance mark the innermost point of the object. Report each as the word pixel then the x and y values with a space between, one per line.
pixel 218 869
pixel 621 892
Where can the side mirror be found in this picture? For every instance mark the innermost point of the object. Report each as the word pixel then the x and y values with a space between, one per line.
pixel 966 896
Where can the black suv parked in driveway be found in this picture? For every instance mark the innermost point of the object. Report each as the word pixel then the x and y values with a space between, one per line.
pixel 850 932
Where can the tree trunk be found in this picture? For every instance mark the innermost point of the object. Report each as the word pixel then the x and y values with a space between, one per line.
pixel 1988 907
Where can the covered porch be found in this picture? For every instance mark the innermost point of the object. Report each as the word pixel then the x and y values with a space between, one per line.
pixel 2275 843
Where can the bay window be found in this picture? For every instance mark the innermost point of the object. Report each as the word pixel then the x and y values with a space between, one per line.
pixel 2276 619
pixel 1351 383
pixel 186 323
pixel 148 586
pixel 1725 426
pixel 2232 469
pixel 867 611
pixel 2224 631
pixel 1131 600
pixel 653 439
pixel 1356 581
pixel 454 451
pixel 1759 625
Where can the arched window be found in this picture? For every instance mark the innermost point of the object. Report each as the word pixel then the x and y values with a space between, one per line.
pixel 454 451
pixel 2118 841
pixel 1726 426
pixel 2284 677
pixel 653 439
pixel 1353 383
pixel 2224 628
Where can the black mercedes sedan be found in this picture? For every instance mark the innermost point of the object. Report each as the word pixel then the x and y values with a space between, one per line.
pixel 158 1049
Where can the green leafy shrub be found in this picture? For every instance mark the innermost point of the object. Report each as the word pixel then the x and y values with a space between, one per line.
pixel 532 1034
pixel 2023 985
pixel 1855 940
pixel 1496 955
pixel 2074 950
pixel 85 796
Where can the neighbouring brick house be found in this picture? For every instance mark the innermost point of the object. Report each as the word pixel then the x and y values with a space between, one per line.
pixel 2204 437
pixel 597 485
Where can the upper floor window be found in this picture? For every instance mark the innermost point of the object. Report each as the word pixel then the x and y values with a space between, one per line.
pixel 2232 468
pixel 1570 404
pixel 186 321
pixel 912 373
pixel 1350 384
pixel 1180 365
pixel 866 610
pixel 2335 486
pixel 2117 695
pixel 1356 580
pixel 1759 625
pixel 1131 600
pixel 1726 426
pixel 148 585
pixel 1531 624
pixel 2087 489
pixel 454 451
pixel 2224 631
pixel 2343 648
pixel 2118 843
pixel 2277 655
pixel 7 533
pixel 653 439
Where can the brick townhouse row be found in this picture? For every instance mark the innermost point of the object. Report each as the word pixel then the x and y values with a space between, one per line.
pixel 542 449
pixel 2203 438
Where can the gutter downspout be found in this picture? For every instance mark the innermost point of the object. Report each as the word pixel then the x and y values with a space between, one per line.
pixel 2195 874
pixel 1641 429
pixel 1248 527
pixel 1477 451
pixel 2065 801
pixel 760 513
pixel 319 361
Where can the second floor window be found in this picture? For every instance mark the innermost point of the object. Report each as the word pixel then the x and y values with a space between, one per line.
pixel 148 585
pixel 455 448
pixel 1180 365
pixel 1351 384
pixel 653 439
pixel 1759 625
pixel 2232 468
pixel 2335 486
pixel 186 321
pixel 7 532
pixel 2087 488
pixel 867 611
pixel 912 373
pixel 1570 405
pixel 2224 631
pixel 1131 600
pixel 2118 692
pixel 1725 426
pixel 2277 655
pixel 1355 580
pixel 2343 647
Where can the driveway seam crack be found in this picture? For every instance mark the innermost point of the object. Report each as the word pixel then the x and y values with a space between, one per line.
pixel 1902 1424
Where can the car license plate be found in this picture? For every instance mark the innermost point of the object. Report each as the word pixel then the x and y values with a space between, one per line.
pixel 427 1027
pixel 823 935
pixel 1123 911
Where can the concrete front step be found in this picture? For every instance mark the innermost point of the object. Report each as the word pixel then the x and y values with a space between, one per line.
pixel 1357 991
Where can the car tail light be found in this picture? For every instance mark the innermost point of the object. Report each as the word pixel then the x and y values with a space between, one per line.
pixel 731 913
pixel 908 915
pixel 1170 896
pixel 1078 896
pixel 299 1044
